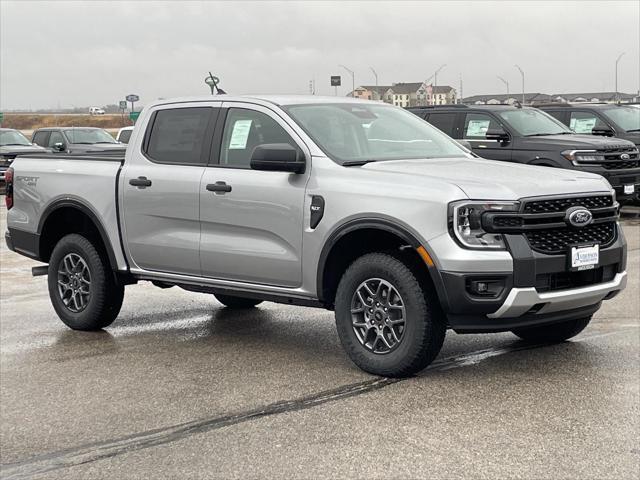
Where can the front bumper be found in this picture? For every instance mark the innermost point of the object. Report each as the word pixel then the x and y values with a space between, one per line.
pixel 521 300
pixel 538 289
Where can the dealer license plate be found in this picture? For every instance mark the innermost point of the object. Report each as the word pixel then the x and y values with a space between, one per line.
pixel 585 258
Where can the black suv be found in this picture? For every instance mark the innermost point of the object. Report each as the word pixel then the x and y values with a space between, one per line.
pixel 605 119
pixel 529 135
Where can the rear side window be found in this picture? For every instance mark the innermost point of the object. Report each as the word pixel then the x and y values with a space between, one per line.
pixel 40 138
pixel 179 136
pixel 444 122
pixel 125 135
pixel 56 137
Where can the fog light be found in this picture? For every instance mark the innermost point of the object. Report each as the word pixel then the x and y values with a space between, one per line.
pixel 485 287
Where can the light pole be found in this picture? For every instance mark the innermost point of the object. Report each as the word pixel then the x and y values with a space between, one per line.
pixel 353 80
pixel 617 60
pixel 435 75
pixel 505 82
pixel 521 73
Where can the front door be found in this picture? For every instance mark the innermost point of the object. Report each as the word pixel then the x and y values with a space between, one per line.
pixel 475 128
pixel 252 232
pixel 160 189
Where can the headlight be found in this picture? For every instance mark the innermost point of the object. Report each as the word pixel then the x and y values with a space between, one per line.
pixel 581 157
pixel 466 223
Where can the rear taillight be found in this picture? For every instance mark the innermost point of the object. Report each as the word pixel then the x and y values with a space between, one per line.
pixel 8 179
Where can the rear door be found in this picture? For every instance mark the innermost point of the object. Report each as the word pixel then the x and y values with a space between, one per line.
pixel 448 122
pixel 252 232
pixel 161 185
pixel 474 131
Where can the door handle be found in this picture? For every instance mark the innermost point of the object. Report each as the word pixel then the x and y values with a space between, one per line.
pixel 140 182
pixel 219 187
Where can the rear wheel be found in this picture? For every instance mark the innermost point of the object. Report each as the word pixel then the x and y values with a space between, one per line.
pixel 237 302
pixel 554 333
pixel 82 287
pixel 387 323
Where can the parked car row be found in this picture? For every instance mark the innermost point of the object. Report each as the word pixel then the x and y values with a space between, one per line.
pixel 534 137
pixel 349 205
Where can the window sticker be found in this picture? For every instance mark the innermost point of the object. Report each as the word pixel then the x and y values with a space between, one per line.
pixel 240 134
pixel 477 128
pixel 582 125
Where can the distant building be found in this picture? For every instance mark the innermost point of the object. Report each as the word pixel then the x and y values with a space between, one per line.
pixel 608 97
pixel 538 98
pixel 406 94
pixel 441 95
pixel 368 92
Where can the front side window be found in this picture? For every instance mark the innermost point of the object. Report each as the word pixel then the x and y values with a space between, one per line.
pixel 477 124
pixel 12 137
pixel 88 136
pixel 584 122
pixel 530 122
pixel 178 135
pixel 349 132
pixel 628 118
pixel 244 130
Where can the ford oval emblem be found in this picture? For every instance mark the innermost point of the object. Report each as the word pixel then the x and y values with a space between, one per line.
pixel 579 217
pixel 625 156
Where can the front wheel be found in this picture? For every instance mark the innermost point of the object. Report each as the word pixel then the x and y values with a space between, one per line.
pixel 82 287
pixel 554 333
pixel 387 323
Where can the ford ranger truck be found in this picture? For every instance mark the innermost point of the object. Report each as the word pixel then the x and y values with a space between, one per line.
pixel 354 206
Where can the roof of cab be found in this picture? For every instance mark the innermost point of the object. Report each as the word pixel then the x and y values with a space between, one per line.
pixel 280 100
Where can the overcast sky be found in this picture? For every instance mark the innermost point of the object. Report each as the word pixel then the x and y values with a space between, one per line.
pixel 94 53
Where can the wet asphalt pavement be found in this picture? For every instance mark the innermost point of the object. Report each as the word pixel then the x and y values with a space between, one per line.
pixel 180 387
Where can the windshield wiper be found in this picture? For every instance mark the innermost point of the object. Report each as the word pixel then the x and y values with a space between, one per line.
pixel 105 142
pixel 633 130
pixel 546 134
pixel 357 163
pixel 12 144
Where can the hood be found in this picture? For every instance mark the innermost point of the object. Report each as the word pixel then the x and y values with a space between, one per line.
pixel 575 141
pixel 13 150
pixel 482 179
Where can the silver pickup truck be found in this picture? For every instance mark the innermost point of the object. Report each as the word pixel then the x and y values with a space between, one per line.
pixel 349 205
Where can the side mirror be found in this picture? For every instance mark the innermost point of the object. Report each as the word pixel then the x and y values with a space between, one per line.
pixel 59 147
pixel 497 134
pixel 278 157
pixel 604 131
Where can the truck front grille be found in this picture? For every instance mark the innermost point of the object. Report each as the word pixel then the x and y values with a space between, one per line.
pixel 558 240
pixel 544 222
pixel 621 165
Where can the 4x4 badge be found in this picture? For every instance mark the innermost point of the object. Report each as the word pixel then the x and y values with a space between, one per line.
pixel 578 217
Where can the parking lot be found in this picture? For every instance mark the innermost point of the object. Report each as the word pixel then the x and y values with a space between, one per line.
pixel 180 385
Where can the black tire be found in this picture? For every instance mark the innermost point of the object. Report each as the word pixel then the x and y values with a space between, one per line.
pixel 237 302
pixel 424 324
pixel 554 333
pixel 105 293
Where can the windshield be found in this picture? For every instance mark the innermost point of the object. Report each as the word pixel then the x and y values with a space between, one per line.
pixel 13 137
pixel 628 118
pixel 88 135
pixel 350 132
pixel 529 122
